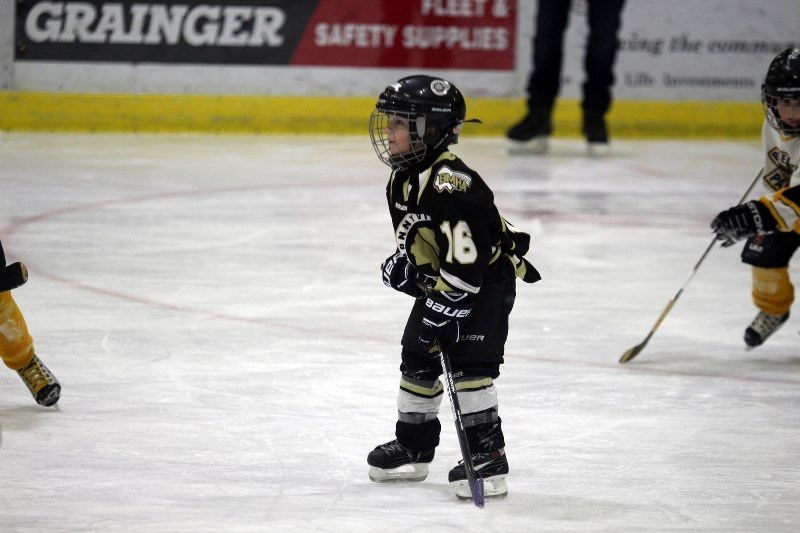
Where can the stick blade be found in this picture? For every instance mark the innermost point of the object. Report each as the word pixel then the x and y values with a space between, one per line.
pixel 633 352
pixel 477 493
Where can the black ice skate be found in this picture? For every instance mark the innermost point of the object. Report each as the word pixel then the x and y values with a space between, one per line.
pixel 532 133
pixel 762 327
pixel 491 466
pixel 596 132
pixel 44 386
pixel 394 463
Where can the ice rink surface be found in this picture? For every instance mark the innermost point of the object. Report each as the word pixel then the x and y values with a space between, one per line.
pixel 214 310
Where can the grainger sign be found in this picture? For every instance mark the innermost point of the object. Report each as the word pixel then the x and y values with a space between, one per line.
pixel 462 34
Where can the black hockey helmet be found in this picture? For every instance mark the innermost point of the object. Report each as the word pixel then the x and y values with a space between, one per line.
pixel 782 83
pixel 434 110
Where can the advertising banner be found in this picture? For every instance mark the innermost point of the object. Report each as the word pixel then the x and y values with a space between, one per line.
pixel 447 34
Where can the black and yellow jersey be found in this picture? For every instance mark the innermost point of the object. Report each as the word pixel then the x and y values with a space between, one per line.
pixel 446 222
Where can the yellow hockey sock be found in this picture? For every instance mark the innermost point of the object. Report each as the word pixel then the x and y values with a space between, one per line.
pixel 773 292
pixel 16 344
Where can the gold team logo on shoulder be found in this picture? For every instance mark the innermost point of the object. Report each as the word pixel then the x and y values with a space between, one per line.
pixel 449 181
pixel 781 175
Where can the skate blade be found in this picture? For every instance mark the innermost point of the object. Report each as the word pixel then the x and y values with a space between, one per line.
pixel 412 473
pixel 598 149
pixel 536 146
pixel 494 488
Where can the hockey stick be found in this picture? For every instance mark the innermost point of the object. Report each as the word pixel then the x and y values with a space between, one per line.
pixel 633 352
pixel 12 276
pixel 475 482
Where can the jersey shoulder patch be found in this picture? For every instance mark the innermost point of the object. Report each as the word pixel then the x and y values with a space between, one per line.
pixel 448 180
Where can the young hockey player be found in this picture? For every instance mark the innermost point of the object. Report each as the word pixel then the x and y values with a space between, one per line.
pixel 459 259
pixel 16 350
pixel 771 224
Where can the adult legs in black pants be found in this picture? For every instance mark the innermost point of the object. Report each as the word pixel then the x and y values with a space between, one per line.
pixel 604 19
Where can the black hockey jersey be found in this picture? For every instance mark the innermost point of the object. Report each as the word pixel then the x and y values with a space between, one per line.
pixel 446 222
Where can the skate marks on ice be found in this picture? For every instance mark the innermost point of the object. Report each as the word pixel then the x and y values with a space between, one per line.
pixel 214 310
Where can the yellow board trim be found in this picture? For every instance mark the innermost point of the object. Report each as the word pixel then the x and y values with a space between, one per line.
pixel 28 111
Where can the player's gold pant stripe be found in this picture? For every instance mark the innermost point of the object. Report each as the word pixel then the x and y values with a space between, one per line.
pixel 426 389
pixel 473 384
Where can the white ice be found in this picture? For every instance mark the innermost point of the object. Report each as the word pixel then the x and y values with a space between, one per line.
pixel 213 308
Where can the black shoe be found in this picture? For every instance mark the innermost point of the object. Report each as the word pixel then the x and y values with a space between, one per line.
pixel 536 123
pixel 393 462
pixel 762 327
pixel 594 128
pixel 43 385
pixel 492 467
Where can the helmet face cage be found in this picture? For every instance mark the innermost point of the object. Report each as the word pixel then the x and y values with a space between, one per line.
pixel 425 111
pixel 770 103
pixel 388 131
pixel 782 83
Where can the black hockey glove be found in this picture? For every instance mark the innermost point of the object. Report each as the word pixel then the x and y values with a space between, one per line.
pixel 444 317
pixel 13 275
pixel 400 275
pixel 742 221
